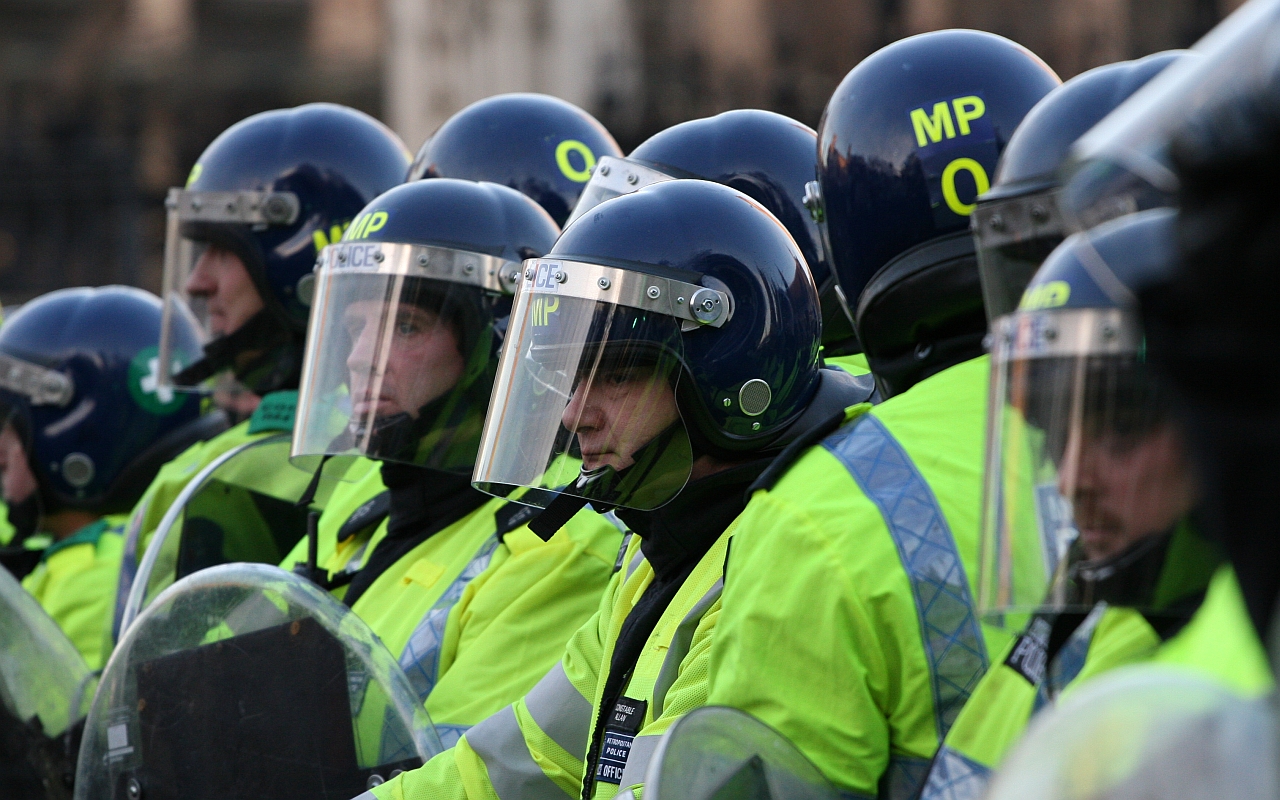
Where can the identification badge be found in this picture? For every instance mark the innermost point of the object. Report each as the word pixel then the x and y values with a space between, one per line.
pixel 1030 651
pixel 619 732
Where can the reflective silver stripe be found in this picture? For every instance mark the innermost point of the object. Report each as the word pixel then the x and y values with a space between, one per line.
pixel 635 563
pixel 954 776
pixel 638 759
pixel 561 711
pixel 679 647
pixel 512 771
pixel 949 630
pixel 420 658
pixel 622 550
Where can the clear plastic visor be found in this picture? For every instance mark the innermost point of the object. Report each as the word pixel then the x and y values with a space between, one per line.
pixel 42 675
pixel 247 681
pixel 1014 237
pixel 716 752
pixel 613 177
pixel 399 358
pixel 189 251
pixel 1122 164
pixel 1088 481
pixel 585 398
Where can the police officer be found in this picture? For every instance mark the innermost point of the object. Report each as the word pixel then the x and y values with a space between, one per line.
pixel 1016 225
pixel 764 155
pixel 854 570
pixel 536 144
pixel 657 359
pixel 262 201
pixel 400 367
pixel 87 428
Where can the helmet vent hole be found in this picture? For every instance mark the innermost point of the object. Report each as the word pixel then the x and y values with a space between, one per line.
pixel 754 397
pixel 77 470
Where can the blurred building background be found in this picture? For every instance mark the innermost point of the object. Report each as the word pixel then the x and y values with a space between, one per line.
pixel 104 104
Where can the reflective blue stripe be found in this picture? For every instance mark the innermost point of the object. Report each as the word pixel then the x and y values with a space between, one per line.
pixel 1068 662
pixel 955 777
pixel 903 777
pixel 948 622
pixel 450 734
pixel 420 658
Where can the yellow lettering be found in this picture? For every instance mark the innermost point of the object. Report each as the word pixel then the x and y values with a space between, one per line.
pixel 375 223
pixel 566 167
pixel 195 174
pixel 335 232
pixel 1053 294
pixel 967 110
pixel 949 184
pixel 931 128
pixel 319 240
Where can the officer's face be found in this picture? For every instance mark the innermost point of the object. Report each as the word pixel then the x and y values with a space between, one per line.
pixel 421 359
pixel 1123 490
pixel 17 483
pixel 221 278
pixel 618 412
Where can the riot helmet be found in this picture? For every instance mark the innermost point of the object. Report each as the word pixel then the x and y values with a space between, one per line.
pixel 764 155
pixel 1017 223
pixel 539 145
pixel 1123 164
pixel 907 142
pixel 671 323
pixel 262 201
pixel 402 346
pixel 80 389
pixel 1084 447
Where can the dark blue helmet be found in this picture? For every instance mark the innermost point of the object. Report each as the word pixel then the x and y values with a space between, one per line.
pixel 275 189
pixel 1081 422
pixel 1018 222
pixel 80 388
pixel 452 249
pixel 538 145
pixel 907 142
pixel 722 239
pixel 764 155
pixel 676 321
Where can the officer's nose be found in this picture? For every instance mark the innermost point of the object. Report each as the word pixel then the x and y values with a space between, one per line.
pixel 581 414
pixel 203 280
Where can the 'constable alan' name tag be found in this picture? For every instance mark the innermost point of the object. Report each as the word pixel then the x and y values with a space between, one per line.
pixel 619 732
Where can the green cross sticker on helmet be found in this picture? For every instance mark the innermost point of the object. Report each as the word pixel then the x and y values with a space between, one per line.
pixel 144 383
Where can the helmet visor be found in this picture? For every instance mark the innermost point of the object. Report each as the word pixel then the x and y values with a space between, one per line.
pixel 1014 237
pixel 200 231
pixel 1122 164
pixel 1088 484
pixel 614 177
pixel 585 399
pixel 399 359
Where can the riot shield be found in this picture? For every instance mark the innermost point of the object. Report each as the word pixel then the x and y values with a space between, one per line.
pixel 718 753
pixel 44 689
pixel 242 507
pixel 245 682
pixel 1147 732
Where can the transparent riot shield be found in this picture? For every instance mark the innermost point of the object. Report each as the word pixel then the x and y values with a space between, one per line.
pixel 1147 732
pixel 242 507
pixel 245 682
pixel 718 753
pixel 45 687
